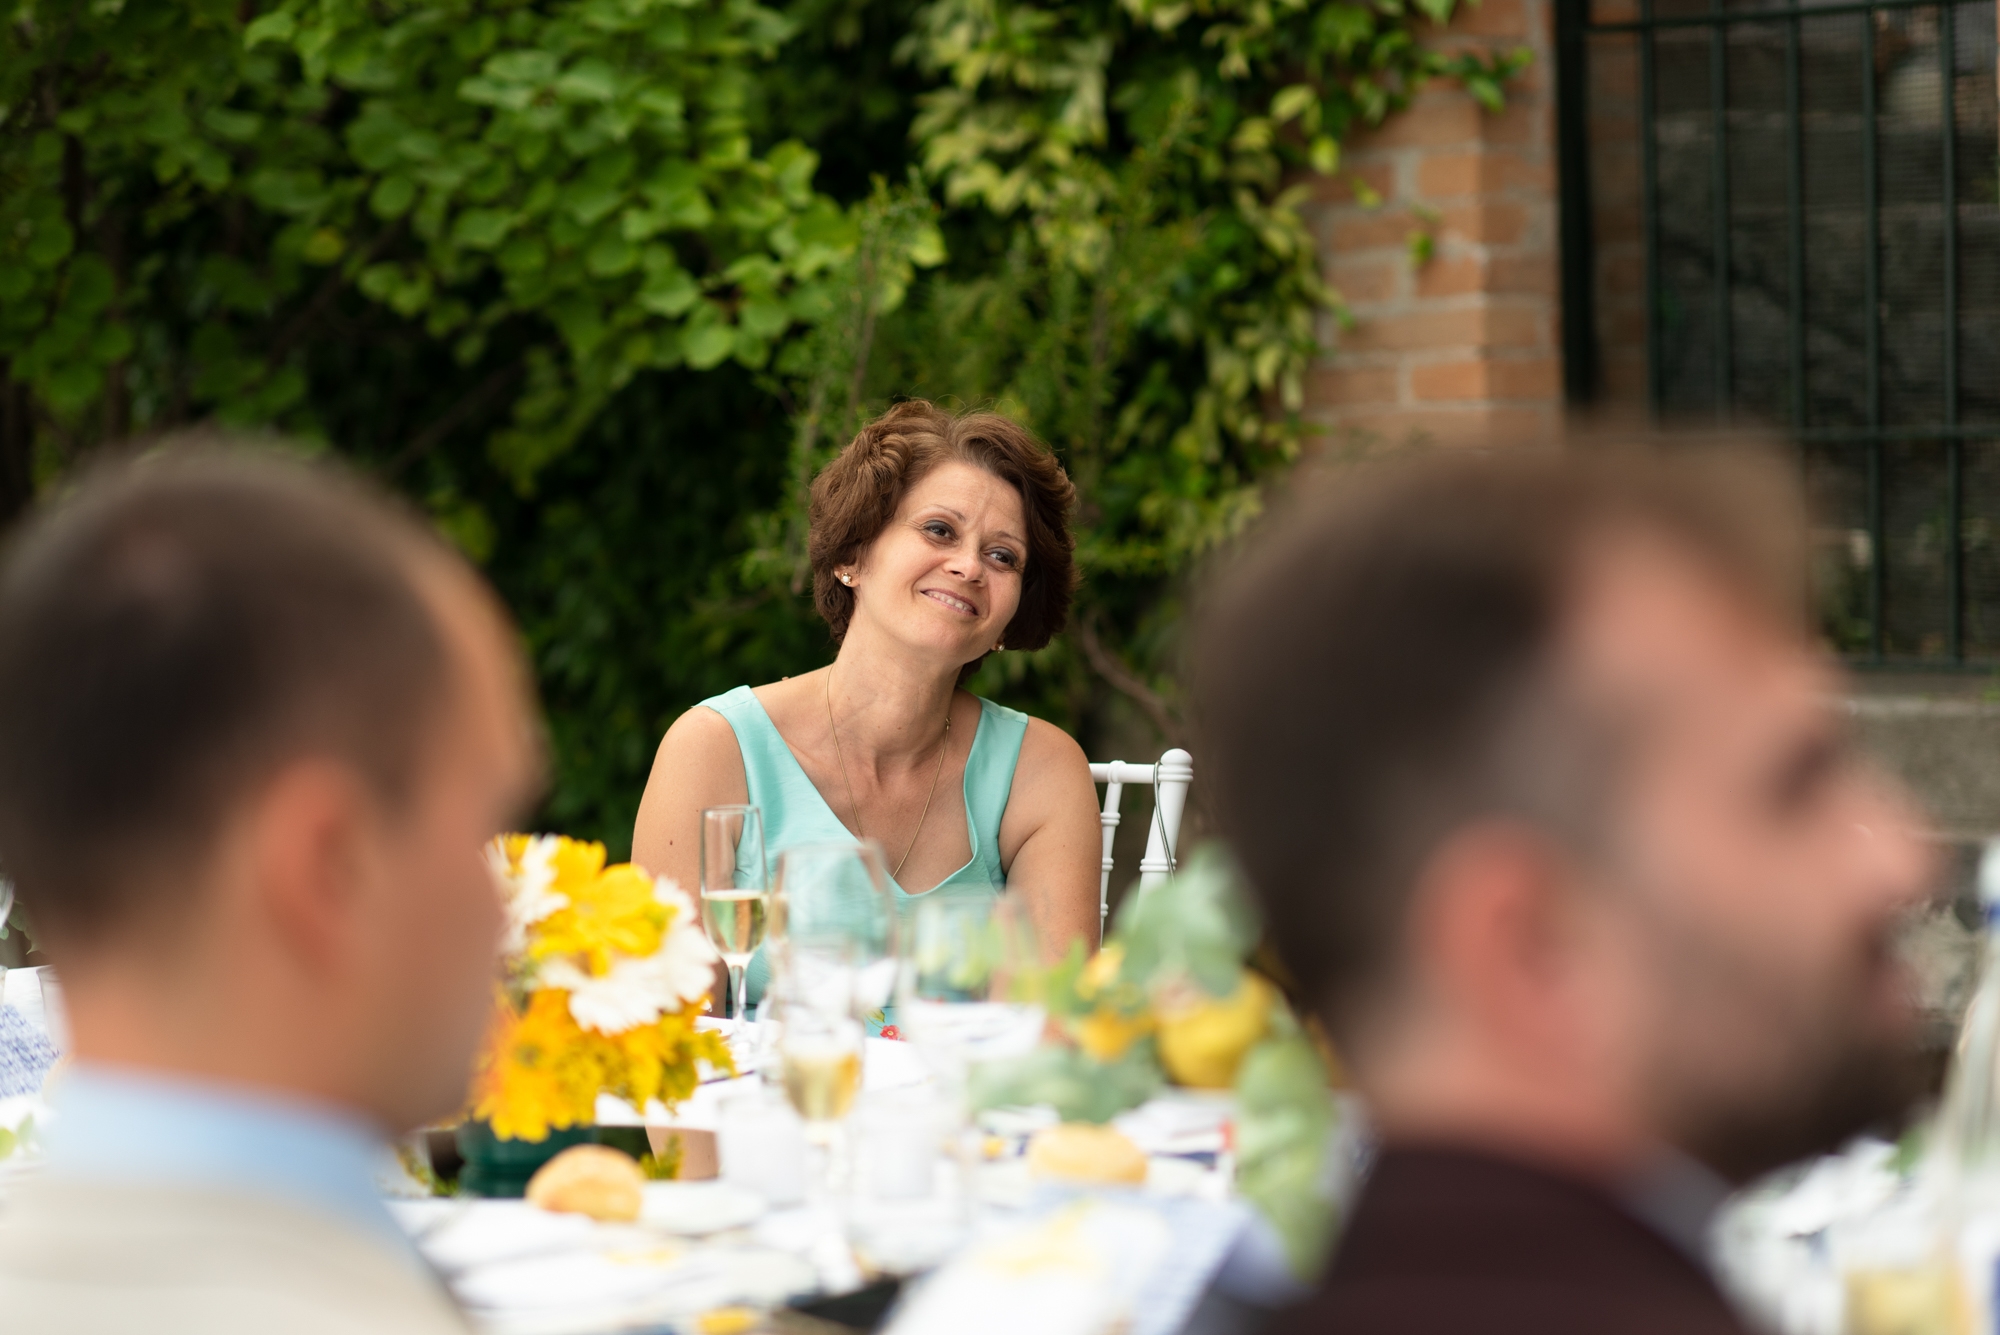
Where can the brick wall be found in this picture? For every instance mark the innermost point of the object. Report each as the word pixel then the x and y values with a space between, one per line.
pixel 1467 345
pixel 1617 221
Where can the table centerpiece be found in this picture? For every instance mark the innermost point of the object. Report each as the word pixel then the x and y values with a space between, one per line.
pixel 1179 996
pixel 606 969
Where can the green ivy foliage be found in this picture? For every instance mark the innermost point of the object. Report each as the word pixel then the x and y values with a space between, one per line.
pixel 601 282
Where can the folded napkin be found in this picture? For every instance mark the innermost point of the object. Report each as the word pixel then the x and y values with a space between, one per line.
pixel 25 1054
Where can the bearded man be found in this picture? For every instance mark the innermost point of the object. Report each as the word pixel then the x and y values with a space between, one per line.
pixel 1548 798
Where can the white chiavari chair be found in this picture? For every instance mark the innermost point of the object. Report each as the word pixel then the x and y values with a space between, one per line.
pixel 1169 778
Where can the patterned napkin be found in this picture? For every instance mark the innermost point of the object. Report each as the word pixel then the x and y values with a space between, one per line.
pixel 25 1054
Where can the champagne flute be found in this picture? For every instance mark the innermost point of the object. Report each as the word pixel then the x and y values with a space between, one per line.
pixel 735 901
pixel 819 1054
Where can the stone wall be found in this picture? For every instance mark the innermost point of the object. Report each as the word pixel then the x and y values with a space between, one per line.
pixel 1466 345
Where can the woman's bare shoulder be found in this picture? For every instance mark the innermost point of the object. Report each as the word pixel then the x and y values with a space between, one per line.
pixel 1047 747
pixel 698 763
pixel 699 734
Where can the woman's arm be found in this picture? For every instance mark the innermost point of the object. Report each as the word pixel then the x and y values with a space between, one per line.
pixel 1050 840
pixel 698 765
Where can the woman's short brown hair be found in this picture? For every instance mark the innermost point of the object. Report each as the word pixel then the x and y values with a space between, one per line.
pixel 855 497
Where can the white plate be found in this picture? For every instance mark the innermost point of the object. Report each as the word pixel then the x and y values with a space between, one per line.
pixel 1175 1177
pixel 695 1208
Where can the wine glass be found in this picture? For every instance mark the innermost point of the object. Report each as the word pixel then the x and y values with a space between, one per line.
pixel 6 907
pixel 838 926
pixel 819 1056
pixel 967 987
pixel 735 901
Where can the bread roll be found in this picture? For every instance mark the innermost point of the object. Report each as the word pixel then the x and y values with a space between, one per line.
pixel 1080 1152
pixel 593 1180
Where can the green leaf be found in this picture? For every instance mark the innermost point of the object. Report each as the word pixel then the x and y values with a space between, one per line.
pixel 611 255
pixel 522 67
pixel 324 246
pixel 927 247
pixel 466 525
pixel 276 27
pixel 392 196
pixel 524 255
pixel 72 386
pixel 707 342
pixel 113 342
pixel 669 292
pixel 1198 922
pixel 587 202
pixel 764 317
pixel 1284 1121
pixel 1292 101
pixel 589 80
pixel 48 242
pixel 1079 1089
pixel 482 229
pixel 292 190
pixel 239 127
pixel 88 286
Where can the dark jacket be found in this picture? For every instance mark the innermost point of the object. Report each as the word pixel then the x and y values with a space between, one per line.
pixel 1450 1242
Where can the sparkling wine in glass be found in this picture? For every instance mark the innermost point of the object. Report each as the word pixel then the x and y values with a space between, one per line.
pixel 820 1057
pixel 736 921
pixel 735 904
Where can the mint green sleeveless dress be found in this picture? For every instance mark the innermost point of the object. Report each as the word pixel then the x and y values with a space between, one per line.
pixel 795 814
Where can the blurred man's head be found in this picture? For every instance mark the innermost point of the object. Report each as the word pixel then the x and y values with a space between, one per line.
pixel 1544 790
pixel 255 725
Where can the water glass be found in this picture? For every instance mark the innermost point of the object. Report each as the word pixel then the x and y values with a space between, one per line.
pixel 907 1199
pixel 761 1144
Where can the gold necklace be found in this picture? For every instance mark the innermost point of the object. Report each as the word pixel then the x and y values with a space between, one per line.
pixel 854 808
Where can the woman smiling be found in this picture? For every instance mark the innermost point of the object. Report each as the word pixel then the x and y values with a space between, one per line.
pixel 937 538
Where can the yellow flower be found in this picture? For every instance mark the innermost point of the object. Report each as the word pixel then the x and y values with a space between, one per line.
pixel 1106 1033
pixel 1101 971
pixel 614 912
pixel 543 1072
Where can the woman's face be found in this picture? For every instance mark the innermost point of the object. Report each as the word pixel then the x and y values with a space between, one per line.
pixel 945 575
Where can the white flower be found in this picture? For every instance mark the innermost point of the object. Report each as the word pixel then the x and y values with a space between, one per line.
pixel 689 955
pixel 635 992
pixel 639 991
pixel 527 894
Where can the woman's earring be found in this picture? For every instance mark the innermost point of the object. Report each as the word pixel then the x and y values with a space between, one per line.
pixel 847 580
pixel 998 645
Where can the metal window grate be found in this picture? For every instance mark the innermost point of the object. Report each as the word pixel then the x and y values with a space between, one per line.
pixel 1790 216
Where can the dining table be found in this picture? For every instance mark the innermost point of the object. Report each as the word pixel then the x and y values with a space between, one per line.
pixel 997 1247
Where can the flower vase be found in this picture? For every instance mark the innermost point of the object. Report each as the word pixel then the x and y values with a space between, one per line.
pixel 496 1166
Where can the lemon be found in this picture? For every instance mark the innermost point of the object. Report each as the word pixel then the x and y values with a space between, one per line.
pixel 1203 1044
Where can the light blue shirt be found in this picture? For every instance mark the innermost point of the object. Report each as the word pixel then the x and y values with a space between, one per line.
pixel 125 1125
